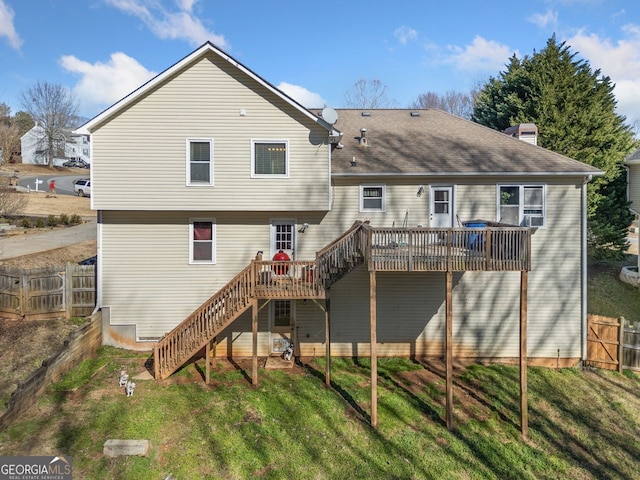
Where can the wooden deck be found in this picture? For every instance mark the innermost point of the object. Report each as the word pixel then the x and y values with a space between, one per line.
pixel 379 249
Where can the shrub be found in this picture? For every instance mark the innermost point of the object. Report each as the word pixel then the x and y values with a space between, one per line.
pixel 52 221
pixel 64 219
pixel 40 223
pixel 25 223
pixel 75 219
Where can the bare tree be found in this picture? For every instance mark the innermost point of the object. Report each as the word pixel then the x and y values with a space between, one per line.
pixel 368 94
pixel 11 202
pixel 455 102
pixel 54 108
pixel 9 134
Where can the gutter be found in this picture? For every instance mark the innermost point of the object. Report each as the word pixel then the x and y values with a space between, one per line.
pixel 470 174
pixel 583 292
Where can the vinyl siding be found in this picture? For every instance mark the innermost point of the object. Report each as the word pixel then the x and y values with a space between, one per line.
pixel 139 157
pixel 149 282
pixel 634 186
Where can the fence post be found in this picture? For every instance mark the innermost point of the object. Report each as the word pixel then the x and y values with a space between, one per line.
pixel 621 322
pixel 68 289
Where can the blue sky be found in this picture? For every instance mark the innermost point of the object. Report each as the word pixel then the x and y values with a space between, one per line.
pixel 315 52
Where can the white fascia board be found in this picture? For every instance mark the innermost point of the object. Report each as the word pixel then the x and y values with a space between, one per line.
pixel 207 47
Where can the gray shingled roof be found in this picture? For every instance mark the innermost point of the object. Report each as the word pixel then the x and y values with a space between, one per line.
pixel 437 143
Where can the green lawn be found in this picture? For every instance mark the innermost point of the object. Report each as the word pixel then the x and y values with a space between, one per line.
pixel 583 424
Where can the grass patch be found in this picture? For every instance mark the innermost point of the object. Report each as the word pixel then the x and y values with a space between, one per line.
pixel 292 426
pixel 607 295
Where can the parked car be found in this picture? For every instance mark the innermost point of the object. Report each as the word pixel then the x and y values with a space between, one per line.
pixel 76 162
pixel 83 187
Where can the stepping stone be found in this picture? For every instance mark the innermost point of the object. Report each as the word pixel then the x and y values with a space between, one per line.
pixel 120 448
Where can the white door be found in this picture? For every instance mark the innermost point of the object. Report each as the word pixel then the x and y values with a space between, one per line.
pixel 281 319
pixel 441 207
pixel 283 237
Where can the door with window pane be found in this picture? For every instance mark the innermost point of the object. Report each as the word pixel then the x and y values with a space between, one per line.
pixel 441 207
pixel 281 315
pixel 283 237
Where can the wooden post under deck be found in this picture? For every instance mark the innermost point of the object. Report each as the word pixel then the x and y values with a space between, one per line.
pixel 207 363
pixel 327 325
pixel 254 329
pixel 448 343
pixel 524 414
pixel 374 356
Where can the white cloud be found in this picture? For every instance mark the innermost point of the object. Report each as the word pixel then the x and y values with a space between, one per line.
pixel 102 84
pixel 180 24
pixel 549 19
pixel 619 60
pixel 302 95
pixel 404 34
pixel 6 26
pixel 481 55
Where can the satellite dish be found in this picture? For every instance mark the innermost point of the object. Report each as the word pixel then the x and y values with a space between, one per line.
pixel 329 115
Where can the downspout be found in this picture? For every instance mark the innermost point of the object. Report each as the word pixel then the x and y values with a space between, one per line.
pixel 583 219
pixel 98 279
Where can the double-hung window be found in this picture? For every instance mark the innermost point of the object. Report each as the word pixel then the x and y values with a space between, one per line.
pixel 202 241
pixel 522 205
pixel 269 158
pixel 199 161
pixel 372 198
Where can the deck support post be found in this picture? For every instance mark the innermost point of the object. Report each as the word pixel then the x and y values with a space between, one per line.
pixel 207 363
pixel 524 414
pixel 374 355
pixel 327 330
pixel 210 356
pixel 449 349
pixel 254 330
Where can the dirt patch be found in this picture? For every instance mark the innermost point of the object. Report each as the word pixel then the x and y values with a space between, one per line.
pixel 25 344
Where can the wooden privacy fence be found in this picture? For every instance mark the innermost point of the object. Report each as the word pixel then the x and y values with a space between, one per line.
pixel 50 292
pixel 613 343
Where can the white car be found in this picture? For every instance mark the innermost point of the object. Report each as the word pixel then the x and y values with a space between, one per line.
pixel 83 187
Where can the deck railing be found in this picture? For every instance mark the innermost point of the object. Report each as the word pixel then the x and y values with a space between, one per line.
pixel 342 255
pixel 448 249
pixel 287 280
pixel 382 249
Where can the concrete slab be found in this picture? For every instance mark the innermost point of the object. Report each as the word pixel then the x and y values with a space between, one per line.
pixel 274 363
pixel 118 448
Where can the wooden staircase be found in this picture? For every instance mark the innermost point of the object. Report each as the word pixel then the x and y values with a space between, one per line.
pixel 257 280
pixel 382 249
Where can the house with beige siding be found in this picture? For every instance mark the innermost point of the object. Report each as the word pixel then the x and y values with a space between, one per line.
pixel 394 222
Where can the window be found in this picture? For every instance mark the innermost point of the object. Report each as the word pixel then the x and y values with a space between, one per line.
pixel 202 241
pixel 199 161
pixel 372 198
pixel 269 158
pixel 522 205
pixel 282 313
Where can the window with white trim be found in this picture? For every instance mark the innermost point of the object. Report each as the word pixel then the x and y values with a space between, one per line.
pixel 372 198
pixel 202 241
pixel 199 161
pixel 269 158
pixel 522 205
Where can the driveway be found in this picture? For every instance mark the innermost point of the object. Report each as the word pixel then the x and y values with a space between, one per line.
pixel 17 245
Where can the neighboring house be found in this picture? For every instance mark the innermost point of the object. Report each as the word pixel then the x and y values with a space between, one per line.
pixel 633 193
pixel 207 164
pixel 34 148
pixel 633 186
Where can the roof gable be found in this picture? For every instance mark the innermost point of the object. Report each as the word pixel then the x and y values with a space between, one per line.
pixel 207 48
pixel 433 142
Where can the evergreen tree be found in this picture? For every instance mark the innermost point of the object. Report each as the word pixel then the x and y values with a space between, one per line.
pixel 574 108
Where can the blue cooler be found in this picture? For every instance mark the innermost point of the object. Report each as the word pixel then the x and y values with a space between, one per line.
pixel 475 240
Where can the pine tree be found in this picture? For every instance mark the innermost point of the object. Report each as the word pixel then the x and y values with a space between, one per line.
pixel 574 108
